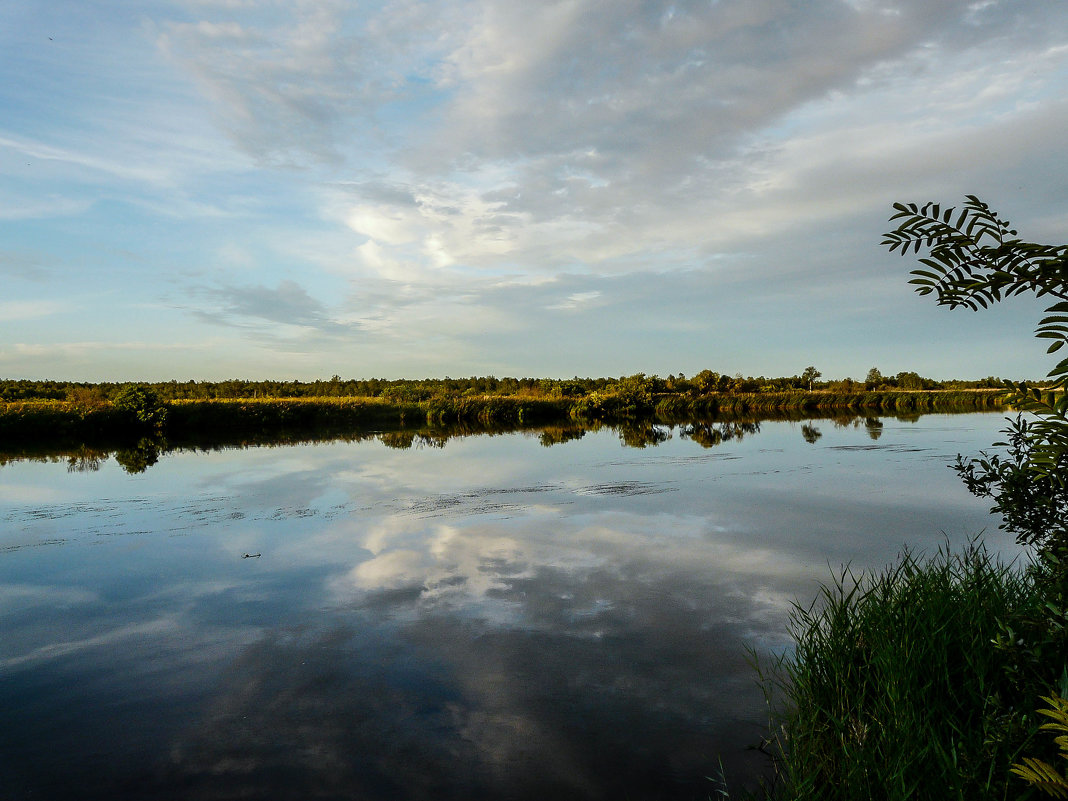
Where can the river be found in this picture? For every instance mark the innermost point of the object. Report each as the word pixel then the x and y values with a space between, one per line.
pixel 490 619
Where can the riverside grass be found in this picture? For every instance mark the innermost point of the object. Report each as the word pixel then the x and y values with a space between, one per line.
pixel 73 422
pixel 903 684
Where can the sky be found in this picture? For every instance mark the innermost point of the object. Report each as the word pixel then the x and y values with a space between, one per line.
pixel 291 189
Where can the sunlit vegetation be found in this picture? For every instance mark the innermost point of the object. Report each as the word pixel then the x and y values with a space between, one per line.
pixel 404 391
pixel 68 411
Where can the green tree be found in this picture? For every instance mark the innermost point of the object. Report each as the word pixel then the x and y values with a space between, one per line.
pixel 910 380
pixel 143 405
pixel 810 375
pixel 975 259
pixel 705 382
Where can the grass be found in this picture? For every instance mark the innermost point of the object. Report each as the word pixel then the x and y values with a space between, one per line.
pixel 94 418
pixel 884 402
pixel 903 684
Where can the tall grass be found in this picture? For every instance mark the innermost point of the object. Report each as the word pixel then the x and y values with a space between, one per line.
pixel 95 417
pixel 896 689
pixel 22 421
pixel 889 401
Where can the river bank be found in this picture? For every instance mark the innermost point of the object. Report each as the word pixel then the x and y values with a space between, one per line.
pixel 59 423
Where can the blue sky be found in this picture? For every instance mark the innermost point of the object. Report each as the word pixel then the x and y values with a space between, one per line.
pixel 291 189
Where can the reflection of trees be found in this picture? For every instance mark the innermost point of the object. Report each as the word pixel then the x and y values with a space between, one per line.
pixel 86 460
pixel 810 433
pixel 640 436
pixel 874 427
pixel 432 440
pixel 709 435
pixel 558 436
pixel 142 456
pixel 401 440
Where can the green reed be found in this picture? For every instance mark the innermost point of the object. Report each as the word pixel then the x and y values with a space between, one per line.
pixel 898 689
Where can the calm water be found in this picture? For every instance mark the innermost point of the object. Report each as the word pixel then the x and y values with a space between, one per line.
pixel 491 619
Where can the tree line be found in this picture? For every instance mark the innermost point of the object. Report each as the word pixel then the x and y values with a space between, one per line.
pixel 89 394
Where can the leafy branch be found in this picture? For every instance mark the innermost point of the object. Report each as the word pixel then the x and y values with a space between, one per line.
pixel 976 259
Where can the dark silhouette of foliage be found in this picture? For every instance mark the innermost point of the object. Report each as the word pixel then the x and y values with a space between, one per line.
pixel 1031 505
pixel 975 259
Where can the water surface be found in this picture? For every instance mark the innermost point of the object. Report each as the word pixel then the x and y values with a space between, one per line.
pixel 489 619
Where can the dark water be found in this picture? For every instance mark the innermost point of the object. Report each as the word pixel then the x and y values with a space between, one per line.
pixel 491 619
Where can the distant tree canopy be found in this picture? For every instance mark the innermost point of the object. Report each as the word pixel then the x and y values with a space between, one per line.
pixel 89 395
pixel 809 376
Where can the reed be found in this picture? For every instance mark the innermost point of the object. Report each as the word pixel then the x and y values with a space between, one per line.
pixel 97 418
pixel 896 689
pixel 23 421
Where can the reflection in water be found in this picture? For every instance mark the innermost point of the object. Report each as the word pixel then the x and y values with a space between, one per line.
pixel 140 457
pixel 86 460
pixel 642 435
pixel 492 620
pixel 709 435
pixel 560 435
pixel 633 434
pixel 472 709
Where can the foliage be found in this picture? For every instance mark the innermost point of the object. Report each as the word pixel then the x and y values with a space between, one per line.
pixel 630 397
pixel 975 259
pixel 893 690
pixel 809 376
pixel 1039 773
pixel 57 421
pixel 419 390
pixel 143 404
pixel 1032 506
pixel 206 422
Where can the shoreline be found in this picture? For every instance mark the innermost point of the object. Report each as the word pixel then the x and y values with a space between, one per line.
pixel 44 422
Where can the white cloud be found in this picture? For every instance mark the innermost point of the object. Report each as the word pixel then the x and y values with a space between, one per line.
pixel 370 182
pixel 23 208
pixel 576 301
pixel 30 309
pixel 142 173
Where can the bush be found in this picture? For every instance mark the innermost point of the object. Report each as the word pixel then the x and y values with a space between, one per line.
pixel 143 406
pixel 896 691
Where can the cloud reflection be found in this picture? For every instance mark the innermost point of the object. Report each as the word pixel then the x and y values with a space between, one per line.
pixel 492 620
pixel 606 686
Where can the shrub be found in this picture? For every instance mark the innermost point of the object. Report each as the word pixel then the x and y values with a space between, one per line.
pixel 894 689
pixel 143 406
